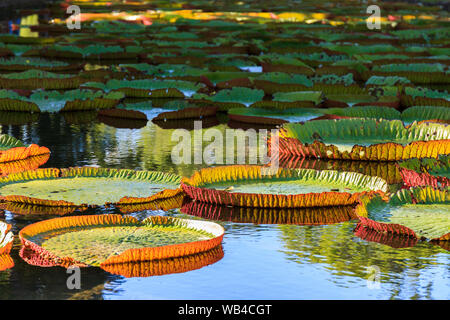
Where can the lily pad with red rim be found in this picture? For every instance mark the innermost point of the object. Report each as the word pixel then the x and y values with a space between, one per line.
pixel 87 186
pixel 12 149
pixel 107 240
pixel 364 139
pixel 257 186
pixel 421 213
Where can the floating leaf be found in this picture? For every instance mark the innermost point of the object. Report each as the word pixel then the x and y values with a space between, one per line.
pixel 417 212
pixel 78 187
pixel 364 139
pixel 12 149
pixel 105 240
pixel 255 186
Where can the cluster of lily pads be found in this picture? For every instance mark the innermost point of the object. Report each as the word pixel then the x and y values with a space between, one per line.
pixel 259 67
pixel 363 120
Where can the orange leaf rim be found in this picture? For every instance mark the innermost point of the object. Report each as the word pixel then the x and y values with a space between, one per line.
pixel 6 262
pixel 166 266
pixel 194 187
pixel 31 163
pixel 297 216
pixel 420 139
pixel 130 255
pixel 24 209
pixel 166 204
pixel 54 173
pixel 370 204
pixel 14 149
pixel 6 238
pixel 390 239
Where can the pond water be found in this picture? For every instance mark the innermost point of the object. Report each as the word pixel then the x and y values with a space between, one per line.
pixel 260 261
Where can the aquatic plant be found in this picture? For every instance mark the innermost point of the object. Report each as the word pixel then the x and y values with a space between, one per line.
pixel 148 88
pixel 279 116
pixel 12 149
pixel 107 240
pixel 426 172
pixel 86 186
pixel 23 63
pixel 56 101
pixel 256 186
pixel 417 212
pixel 229 98
pixel 31 163
pixel 39 79
pixel 364 139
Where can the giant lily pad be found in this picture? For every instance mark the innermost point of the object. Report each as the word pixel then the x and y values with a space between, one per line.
pixel 364 139
pixel 231 98
pixel 426 172
pixel 22 64
pixel 12 101
pixel 56 101
pixel 79 187
pixel 12 149
pixel 75 100
pixel 280 116
pixel 146 88
pixel 416 212
pixel 105 240
pixel 419 113
pixel 31 163
pixel 140 269
pixel 255 186
pixel 419 73
pixel 97 52
pixel 35 79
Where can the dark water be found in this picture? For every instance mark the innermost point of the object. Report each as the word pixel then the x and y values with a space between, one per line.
pixel 266 261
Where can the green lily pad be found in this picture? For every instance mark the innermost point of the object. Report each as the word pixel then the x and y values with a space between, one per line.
pixel 419 113
pixel 103 240
pixel 93 245
pixel 240 95
pixel 55 101
pixel 79 186
pixel 387 81
pixel 314 96
pixel 418 212
pixel 366 132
